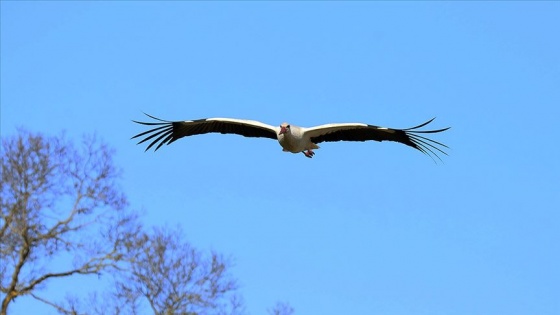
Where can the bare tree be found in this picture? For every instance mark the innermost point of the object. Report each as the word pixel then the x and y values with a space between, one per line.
pixel 61 202
pixel 58 201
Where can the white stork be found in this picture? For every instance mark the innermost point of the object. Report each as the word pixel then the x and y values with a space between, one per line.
pixel 292 138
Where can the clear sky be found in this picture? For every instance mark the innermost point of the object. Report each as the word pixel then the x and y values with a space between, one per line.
pixel 362 228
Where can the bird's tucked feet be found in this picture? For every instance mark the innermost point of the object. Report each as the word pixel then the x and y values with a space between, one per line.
pixel 308 153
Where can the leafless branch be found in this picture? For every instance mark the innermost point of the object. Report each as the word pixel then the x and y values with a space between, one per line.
pixel 59 308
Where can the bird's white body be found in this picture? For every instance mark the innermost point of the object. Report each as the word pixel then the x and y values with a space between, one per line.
pixel 295 140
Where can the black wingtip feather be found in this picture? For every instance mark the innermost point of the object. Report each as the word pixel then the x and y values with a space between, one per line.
pixel 164 121
pixel 147 132
pixel 421 125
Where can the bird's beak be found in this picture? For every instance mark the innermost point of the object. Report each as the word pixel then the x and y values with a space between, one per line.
pixel 282 130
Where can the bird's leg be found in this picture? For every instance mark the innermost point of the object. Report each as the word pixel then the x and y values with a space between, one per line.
pixel 308 153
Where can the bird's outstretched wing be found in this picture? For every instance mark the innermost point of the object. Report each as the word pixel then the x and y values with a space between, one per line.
pixel 166 132
pixel 363 132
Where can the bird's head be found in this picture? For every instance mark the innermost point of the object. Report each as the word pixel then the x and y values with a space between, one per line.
pixel 284 128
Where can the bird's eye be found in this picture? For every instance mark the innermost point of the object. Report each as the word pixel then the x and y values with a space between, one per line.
pixel 288 126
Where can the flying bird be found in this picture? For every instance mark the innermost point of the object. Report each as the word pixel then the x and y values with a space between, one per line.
pixel 292 138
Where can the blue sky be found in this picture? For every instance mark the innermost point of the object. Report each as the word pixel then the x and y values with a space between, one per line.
pixel 362 228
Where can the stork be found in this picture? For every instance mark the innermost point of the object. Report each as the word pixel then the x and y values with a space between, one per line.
pixel 292 138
